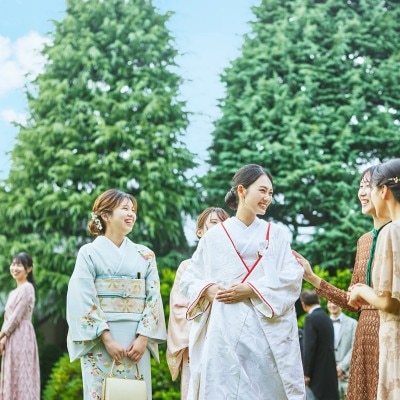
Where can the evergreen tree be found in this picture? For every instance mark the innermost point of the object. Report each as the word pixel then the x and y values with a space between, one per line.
pixel 105 114
pixel 314 98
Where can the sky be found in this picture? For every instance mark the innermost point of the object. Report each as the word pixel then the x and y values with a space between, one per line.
pixel 208 34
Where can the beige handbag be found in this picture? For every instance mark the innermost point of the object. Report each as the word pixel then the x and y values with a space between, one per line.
pixel 124 388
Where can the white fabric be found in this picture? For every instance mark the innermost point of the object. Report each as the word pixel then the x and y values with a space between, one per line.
pixel 247 350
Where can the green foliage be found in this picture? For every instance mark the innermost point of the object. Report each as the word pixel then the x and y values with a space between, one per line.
pixel 104 114
pixel 314 98
pixel 341 279
pixel 65 381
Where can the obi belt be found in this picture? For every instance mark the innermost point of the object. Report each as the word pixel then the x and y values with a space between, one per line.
pixel 121 293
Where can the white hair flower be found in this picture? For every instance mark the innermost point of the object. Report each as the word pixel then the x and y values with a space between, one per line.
pixel 97 221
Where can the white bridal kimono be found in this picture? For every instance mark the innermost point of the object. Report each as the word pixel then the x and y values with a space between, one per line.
pixel 247 350
pixel 115 288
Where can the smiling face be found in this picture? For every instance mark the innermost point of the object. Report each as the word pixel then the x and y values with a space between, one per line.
pixel 364 195
pixel 19 272
pixel 122 219
pixel 333 309
pixel 257 197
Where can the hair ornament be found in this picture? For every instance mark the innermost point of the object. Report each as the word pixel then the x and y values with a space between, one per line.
pixel 97 221
pixel 396 180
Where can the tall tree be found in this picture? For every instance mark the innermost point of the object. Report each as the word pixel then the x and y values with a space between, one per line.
pixel 314 97
pixel 105 114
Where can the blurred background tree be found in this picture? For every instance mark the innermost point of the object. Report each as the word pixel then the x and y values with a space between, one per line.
pixel 104 114
pixel 314 98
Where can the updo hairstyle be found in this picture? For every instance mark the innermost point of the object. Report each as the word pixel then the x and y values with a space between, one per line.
pixel 388 173
pixel 245 176
pixel 105 204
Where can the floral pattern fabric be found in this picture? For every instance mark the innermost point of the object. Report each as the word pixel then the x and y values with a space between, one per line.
pixel 87 319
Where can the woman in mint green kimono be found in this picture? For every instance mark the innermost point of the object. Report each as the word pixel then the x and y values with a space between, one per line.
pixel 114 306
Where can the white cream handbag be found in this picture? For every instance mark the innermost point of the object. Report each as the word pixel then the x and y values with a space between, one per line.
pixel 124 388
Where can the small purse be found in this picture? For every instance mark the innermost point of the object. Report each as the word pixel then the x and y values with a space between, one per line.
pixel 124 388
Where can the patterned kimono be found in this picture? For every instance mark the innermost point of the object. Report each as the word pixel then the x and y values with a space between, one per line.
pixel 117 289
pixel 386 278
pixel 178 333
pixel 20 371
pixel 247 350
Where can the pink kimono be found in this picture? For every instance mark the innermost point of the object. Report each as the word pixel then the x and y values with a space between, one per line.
pixel 178 333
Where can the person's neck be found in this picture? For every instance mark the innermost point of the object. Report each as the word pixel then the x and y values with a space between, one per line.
pixel 117 239
pixel 311 307
pixel 380 222
pixel 245 216
pixel 336 315
pixel 394 210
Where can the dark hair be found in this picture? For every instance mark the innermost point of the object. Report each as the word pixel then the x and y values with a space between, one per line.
pixel 388 173
pixel 245 176
pixel 201 220
pixel 309 297
pixel 105 204
pixel 368 171
pixel 26 260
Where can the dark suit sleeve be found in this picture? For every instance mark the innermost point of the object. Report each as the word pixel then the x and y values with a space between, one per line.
pixel 309 345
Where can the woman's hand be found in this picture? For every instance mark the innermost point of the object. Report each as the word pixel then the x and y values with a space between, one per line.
pixel 210 293
pixel 113 348
pixel 309 274
pixel 2 345
pixel 137 348
pixel 354 295
pixel 235 293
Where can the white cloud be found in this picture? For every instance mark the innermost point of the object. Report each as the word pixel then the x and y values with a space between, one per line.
pixel 10 115
pixel 5 48
pixel 20 61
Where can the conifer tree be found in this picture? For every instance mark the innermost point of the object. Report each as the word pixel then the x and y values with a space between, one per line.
pixel 314 97
pixel 104 114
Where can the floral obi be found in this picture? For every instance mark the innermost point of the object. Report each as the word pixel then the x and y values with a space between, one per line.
pixel 121 293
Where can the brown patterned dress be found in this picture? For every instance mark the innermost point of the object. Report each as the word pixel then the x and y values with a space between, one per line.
pixel 364 365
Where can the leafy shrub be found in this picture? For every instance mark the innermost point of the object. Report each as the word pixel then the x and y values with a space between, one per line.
pixel 65 382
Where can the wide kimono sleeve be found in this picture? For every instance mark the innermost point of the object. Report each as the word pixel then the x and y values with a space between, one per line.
pixel 178 325
pixel 195 281
pixel 279 286
pixel 152 323
pixel 86 320
pixel 22 301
